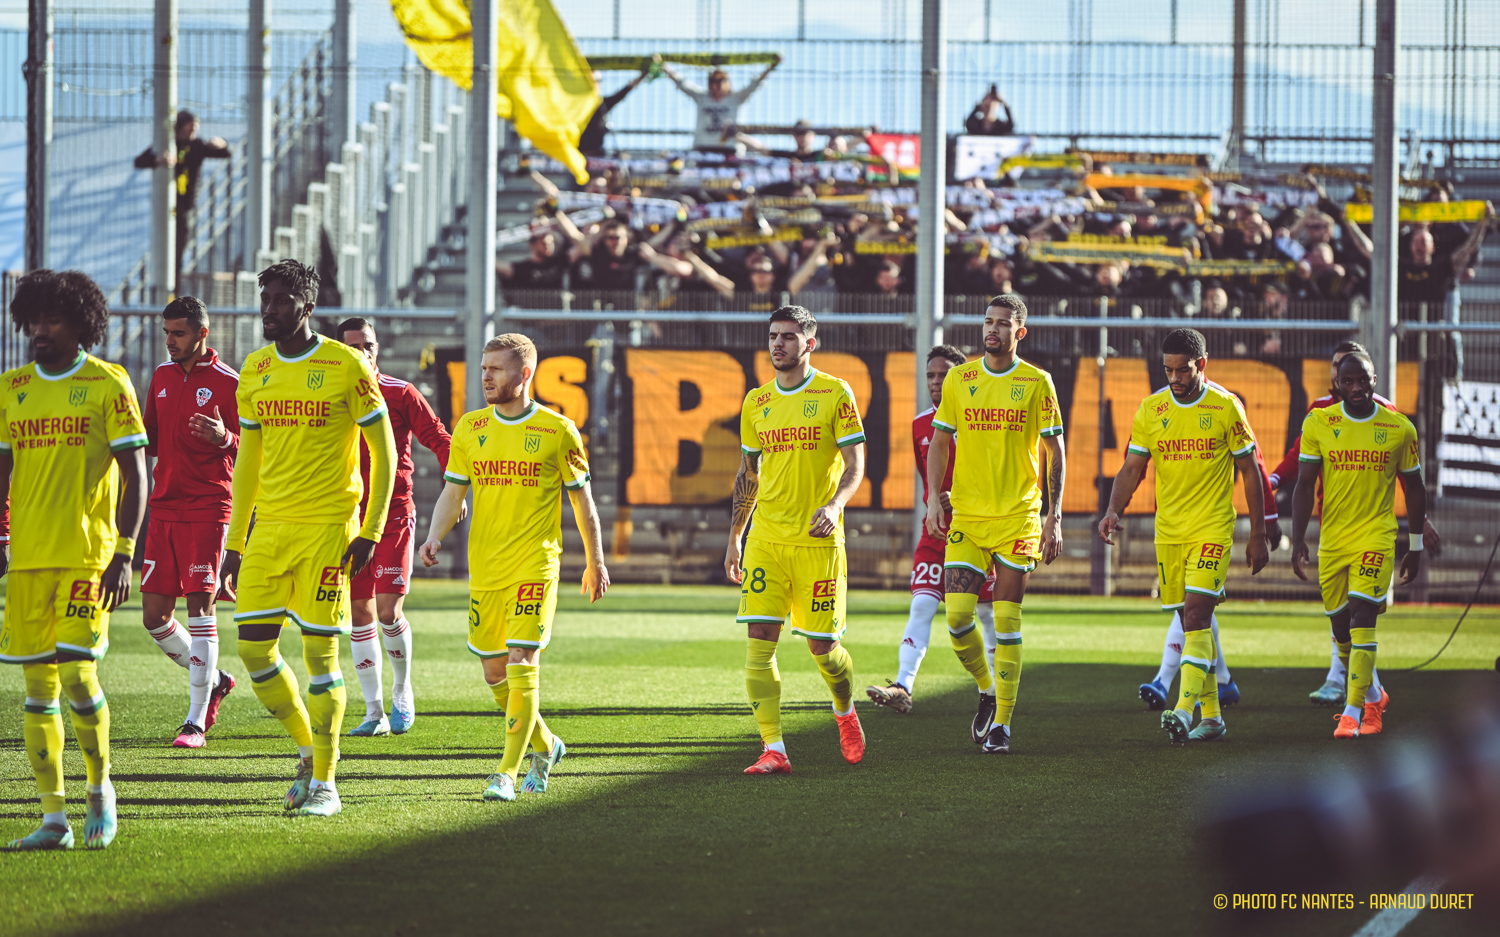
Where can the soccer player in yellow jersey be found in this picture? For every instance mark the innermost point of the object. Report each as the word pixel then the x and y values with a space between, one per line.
pixel 803 455
pixel 1196 434
pixel 518 458
pixel 73 470
pixel 1356 448
pixel 304 402
pixel 998 409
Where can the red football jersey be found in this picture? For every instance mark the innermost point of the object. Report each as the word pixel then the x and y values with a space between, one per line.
pixel 921 441
pixel 193 477
pixel 409 413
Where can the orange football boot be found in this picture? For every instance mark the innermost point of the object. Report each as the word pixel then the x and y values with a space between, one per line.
pixel 770 762
pixel 851 737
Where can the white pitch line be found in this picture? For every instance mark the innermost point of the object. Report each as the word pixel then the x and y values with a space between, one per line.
pixel 1390 921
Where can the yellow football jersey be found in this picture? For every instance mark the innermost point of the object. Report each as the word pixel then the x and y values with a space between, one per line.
pixel 798 434
pixel 997 417
pixel 517 467
pixel 62 432
pixel 1360 459
pixel 308 411
pixel 1193 446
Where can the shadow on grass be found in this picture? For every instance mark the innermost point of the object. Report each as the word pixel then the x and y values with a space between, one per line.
pixel 1088 828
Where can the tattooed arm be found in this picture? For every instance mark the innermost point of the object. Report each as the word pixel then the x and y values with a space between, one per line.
pixel 742 504
pixel 1056 472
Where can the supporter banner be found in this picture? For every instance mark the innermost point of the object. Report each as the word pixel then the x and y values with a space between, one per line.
pixel 1070 161
pixel 1192 184
pixel 634 63
pixel 1470 448
pixel 902 150
pixel 1435 212
pixel 750 238
pixel 1239 268
pixel 1143 159
pixel 1270 196
pixel 1354 175
pixel 1158 256
pixel 986 157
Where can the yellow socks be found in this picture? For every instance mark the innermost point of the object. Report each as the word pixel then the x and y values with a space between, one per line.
pixel 763 684
pixel 1361 670
pixel 1197 658
pixel 276 688
pixel 968 643
pixel 1209 697
pixel 837 668
pixel 520 714
pixel 43 734
pixel 1007 659
pixel 1345 648
pixel 80 681
pixel 326 698
pixel 541 737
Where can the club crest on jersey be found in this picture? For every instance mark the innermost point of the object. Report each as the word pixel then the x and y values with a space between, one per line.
pixel 315 380
pixel 1017 392
pixel 78 396
pixel 1380 437
pixel 1205 422
pixel 533 443
pixel 810 408
pixel 204 395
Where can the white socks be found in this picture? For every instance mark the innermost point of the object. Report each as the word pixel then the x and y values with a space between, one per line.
pixel 1336 671
pixel 913 648
pixel 397 639
pixel 1221 669
pixel 203 666
pixel 367 668
pixel 1171 652
pixel 172 641
pixel 985 612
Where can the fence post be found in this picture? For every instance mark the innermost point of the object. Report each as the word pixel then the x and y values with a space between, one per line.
pixel 260 154
pixel 345 52
pixel 163 178
pixel 38 72
pixel 1424 428
pixel 1101 554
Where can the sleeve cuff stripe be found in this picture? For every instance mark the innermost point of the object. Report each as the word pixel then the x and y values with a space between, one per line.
pixel 577 485
pixel 1141 449
pixel 941 425
pixel 248 424
pixel 1304 457
pixel 372 418
pixel 748 451
pixel 850 441
pixel 852 437
pixel 4 447
pixel 128 440
pixel 1412 471
pixel 456 478
pixel 1239 452
pixel 1052 431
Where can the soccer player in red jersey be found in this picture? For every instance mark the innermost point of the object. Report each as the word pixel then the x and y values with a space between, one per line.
pixel 1331 693
pixel 927 561
pixel 190 409
pixel 377 592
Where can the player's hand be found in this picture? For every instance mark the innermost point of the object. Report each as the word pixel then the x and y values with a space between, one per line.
pixel 1432 541
pixel 936 522
pixel 229 571
pixel 1051 539
pixel 429 552
pixel 1256 554
pixel 825 520
pixel 1411 563
pixel 209 428
pixel 463 511
pixel 116 582
pixel 595 582
pixel 1273 535
pixel 732 562
pixel 357 556
pixel 1108 525
pixel 1299 559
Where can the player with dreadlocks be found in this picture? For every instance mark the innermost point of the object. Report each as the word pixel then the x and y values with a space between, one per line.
pixel 73 469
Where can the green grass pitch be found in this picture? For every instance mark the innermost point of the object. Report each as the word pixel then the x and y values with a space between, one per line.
pixel 649 827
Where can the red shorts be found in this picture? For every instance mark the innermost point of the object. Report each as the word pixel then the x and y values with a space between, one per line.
pixel 182 557
pixel 927 570
pixel 389 569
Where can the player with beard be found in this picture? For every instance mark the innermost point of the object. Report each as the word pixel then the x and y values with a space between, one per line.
pixel 190 408
pixel 378 592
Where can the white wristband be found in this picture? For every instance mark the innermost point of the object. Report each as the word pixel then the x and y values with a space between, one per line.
pixel 1414 543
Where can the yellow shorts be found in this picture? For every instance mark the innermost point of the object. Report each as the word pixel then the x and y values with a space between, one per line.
pixel 294 571
pixel 1015 542
pixel 1361 574
pixel 808 585
pixel 519 615
pixel 1201 566
pixel 48 611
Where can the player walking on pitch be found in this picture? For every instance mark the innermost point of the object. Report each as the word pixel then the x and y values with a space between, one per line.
pixel 1196 434
pixel 74 475
pixel 190 408
pixel 378 591
pixel 927 559
pixel 795 434
pixel 1356 448
pixel 517 456
pixel 304 402
pixel 995 411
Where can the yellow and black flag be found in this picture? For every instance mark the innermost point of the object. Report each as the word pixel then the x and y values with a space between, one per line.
pixel 547 89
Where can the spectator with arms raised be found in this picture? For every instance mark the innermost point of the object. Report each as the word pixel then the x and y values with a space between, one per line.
pixel 719 106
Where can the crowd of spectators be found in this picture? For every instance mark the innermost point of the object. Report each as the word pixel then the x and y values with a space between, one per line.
pixel 739 224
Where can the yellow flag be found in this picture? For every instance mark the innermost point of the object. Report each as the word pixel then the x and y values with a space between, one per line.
pixel 546 86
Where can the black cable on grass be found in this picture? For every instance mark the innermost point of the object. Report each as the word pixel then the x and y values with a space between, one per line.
pixel 1477 587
